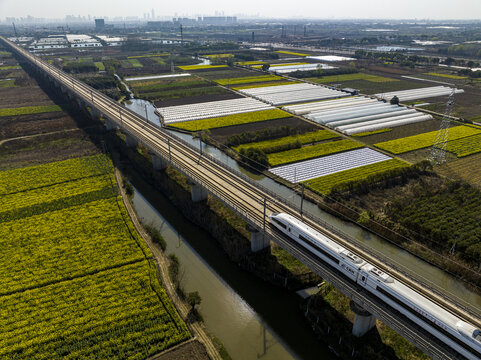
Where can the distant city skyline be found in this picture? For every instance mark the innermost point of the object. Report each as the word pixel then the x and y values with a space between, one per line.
pixel 309 9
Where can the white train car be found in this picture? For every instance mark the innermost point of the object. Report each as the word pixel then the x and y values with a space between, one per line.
pixel 318 244
pixel 461 336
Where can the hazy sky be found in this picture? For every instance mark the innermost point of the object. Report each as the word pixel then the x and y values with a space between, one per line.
pixel 340 9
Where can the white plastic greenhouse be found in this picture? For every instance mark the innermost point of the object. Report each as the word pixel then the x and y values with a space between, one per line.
pixel 181 113
pixel 314 168
pixel 407 95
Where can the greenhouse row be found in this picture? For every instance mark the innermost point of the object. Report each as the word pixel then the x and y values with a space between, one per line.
pixel 291 94
pixel 408 95
pixel 181 113
pixel 303 67
pixel 314 168
pixel 355 115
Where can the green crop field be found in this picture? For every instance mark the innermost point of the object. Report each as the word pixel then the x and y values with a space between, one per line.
pixel 249 79
pixel 307 138
pixel 455 77
pixel 349 77
pixel 367 133
pixel 7 83
pixel 324 184
pixel 290 53
pixel 201 67
pixel 76 280
pixel 13 67
pixel 100 65
pixel 246 63
pixel 135 63
pixel 280 65
pixel 420 141
pixel 277 83
pixel 220 56
pixel 230 120
pixel 29 110
pixel 308 152
pixel 465 146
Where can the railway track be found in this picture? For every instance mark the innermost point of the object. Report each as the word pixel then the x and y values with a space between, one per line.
pixel 239 193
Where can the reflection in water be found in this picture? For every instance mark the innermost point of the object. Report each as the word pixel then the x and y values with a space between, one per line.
pixel 238 308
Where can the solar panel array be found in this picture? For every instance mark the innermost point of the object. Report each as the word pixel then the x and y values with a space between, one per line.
pixel 181 113
pixel 314 168
pixel 358 114
pixel 407 95
pixel 291 94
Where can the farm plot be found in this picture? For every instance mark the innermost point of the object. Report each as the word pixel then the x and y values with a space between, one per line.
pixel 201 67
pixel 107 315
pixel 324 184
pixel 248 79
pixel 29 110
pixel 77 281
pixel 465 146
pixel 415 142
pixel 291 53
pixel 350 77
pixel 135 63
pixel 230 120
pixel 181 113
pixel 308 152
pixel 265 84
pixel 327 165
pixel 291 94
pixel 307 138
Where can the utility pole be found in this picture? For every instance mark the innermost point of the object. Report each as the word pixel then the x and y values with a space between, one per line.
pixel 15 30
pixel 302 197
pixel 146 113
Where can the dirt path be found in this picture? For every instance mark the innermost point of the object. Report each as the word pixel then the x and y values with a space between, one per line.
pixel 163 263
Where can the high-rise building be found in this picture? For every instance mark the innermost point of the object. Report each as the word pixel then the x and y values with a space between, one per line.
pixel 99 24
pixel 153 14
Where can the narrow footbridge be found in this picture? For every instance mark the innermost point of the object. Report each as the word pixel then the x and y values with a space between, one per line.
pixel 255 203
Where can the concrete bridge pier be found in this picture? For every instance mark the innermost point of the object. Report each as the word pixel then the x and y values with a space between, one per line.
pixel 258 240
pixel 197 192
pixel 130 141
pixel 159 163
pixel 110 125
pixel 364 320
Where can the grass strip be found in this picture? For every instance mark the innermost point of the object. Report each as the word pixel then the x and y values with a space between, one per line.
pixel 367 133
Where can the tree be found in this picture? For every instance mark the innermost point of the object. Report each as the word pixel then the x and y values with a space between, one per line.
pixel 265 67
pixel 193 298
pixel 394 100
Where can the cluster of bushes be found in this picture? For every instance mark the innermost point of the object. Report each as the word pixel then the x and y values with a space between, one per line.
pixel 100 82
pixel 266 134
pixel 448 216
pixel 255 158
pixel 79 67
pixel 321 72
pixel 382 180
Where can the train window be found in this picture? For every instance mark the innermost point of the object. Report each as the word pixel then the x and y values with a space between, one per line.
pixel 363 278
pixel 279 223
pixel 289 229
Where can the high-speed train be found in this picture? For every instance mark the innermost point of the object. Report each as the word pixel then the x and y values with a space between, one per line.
pixel 459 335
